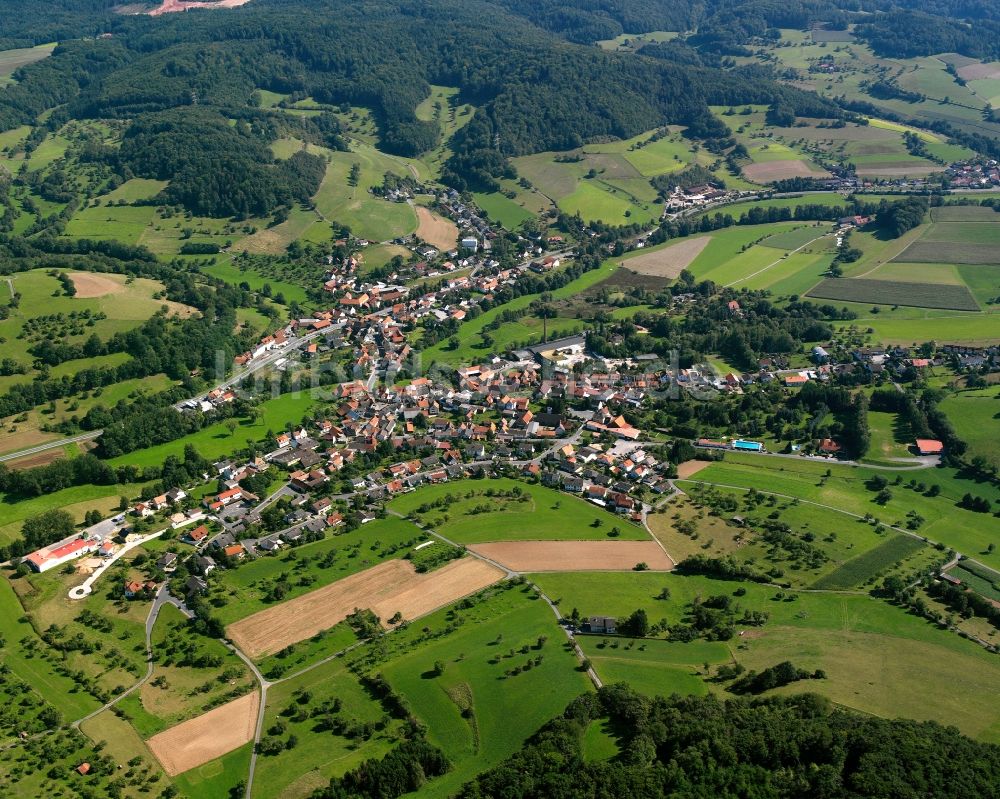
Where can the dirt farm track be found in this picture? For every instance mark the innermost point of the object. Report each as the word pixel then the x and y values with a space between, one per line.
pixel 208 736
pixel 575 556
pixel 391 587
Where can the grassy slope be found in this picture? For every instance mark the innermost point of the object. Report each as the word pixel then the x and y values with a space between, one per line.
pixel 962 530
pixel 550 515
pixel 376 541
pixel 216 441
pixel 878 658
pixel 494 730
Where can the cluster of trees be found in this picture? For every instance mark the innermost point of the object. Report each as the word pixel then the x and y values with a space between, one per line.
pixel 709 327
pixel 783 673
pixel 405 769
pixel 898 217
pixel 214 168
pixel 725 568
pixel 84 470
pixel 964 602
pixel 775 748
pixel 922 414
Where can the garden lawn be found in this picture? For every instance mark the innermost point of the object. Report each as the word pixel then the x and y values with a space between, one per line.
pixel 891 436
pixel 500 712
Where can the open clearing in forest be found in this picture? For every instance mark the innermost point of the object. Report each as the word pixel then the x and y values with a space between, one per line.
pixel 13 60
pixel 575 556
pixel 769 171
pixel 208 736
pixel 670 261
pixel 436 230
pixel 391 587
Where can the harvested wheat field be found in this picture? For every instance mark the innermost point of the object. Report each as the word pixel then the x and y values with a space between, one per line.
pixel 689 468
pixel 670 261
pixel 782 170
pixel 391 587
pixel 89 284
pixel 436 230
pixel 575 556
pixel 979 71
pixel 210 735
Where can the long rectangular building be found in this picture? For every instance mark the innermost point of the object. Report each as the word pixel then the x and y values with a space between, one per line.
pixel 42 560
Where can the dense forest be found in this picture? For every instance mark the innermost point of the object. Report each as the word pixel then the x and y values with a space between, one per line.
pixel 776 747
pixel 214 168
pixel 533 91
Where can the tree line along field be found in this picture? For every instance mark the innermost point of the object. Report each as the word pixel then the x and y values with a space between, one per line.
pixel 877 657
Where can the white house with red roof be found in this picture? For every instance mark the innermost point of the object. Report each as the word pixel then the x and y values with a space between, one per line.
pixel 41 560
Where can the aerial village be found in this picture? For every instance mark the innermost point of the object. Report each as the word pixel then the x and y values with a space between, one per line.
pixel 484 419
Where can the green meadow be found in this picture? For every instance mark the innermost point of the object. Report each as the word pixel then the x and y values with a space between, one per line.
pixel 319 757
pixel 468 706
pixel 216 441
pixel 845 490
pixel 217 777
pixel 474 517
pixel 976 417
pixel 878 658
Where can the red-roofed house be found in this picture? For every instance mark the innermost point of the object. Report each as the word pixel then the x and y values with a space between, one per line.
pixel 929 446
pixel 47 558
